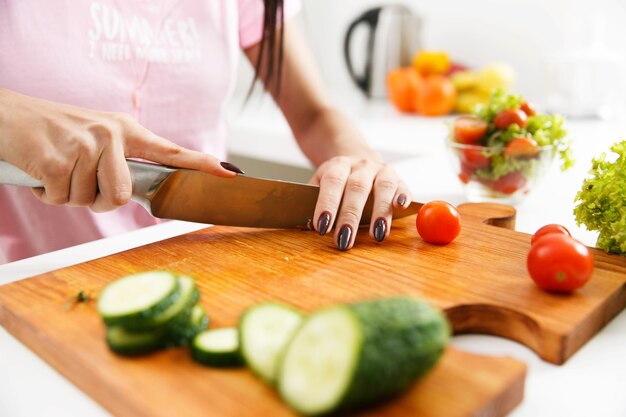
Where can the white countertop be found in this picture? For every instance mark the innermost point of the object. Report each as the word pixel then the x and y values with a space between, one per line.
pixel 590 383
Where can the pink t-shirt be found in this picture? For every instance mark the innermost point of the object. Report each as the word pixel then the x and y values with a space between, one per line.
pixel 169 63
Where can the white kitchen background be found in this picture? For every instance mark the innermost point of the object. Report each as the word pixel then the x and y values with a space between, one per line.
pixel 566 53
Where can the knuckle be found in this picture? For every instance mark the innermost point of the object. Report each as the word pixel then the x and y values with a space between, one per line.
pixel 343 160
pixel 330 201
pixel 351 215
pixel 386 184
pixel 56 200
pixel 83 200
pixel 55 167
pixel 85 147
pixel 101 132
pixel 358 187
pixel 173 149
pixel 382 207
pixel 334 180
pixel 120 196
pixel 123 119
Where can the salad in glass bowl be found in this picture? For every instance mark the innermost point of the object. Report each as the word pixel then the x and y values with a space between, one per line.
pixel 505 148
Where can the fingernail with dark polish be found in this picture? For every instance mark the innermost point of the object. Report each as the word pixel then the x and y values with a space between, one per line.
pixel 402 199
pixel 380 228
pixel 323 222
pixel 344 237
pixel 230 167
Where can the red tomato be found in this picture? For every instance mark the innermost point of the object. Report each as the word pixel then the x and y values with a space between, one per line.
pixel 474 158
pixel 509 183
pixel 437 96
pixel 557 262
pixel 438 222
pixel 466 172
pixel 509 117
pixel 469 129
pixel 522 147
pixel 403 86
pixel 548 229
pixel 528 108
pixel 465 177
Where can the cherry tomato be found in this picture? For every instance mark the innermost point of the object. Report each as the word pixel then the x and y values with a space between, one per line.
pixel 474 158
pixel 509 183
pixel 557 262
pixel 464 177
pixel 469 129
pixel 522 147
pixel 548 229
pixel 437 96
pixel 403 86
pixel 528 108
pixel 438 222
pixel 509 117
pixel 466 172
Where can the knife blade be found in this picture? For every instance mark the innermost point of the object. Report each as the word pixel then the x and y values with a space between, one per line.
pixel 195 196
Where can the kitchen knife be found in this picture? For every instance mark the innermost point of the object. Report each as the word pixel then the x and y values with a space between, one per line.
pixel 183 194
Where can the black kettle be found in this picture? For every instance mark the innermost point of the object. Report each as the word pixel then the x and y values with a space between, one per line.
pixel 394 35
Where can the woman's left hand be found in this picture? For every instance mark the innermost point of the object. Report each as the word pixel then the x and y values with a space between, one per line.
pixel 345 185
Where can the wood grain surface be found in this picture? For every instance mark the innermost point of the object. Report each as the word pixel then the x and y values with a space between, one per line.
pixel 480 280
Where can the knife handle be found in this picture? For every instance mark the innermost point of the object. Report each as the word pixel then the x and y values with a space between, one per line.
pixel 145 178
pixel 12 175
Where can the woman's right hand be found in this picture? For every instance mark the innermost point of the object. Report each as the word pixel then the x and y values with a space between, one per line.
pixel 79 154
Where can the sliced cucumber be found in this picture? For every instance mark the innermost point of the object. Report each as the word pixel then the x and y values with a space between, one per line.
pixel 130 343
pixel 347 357
pixel 264 331
pixel 183 335
pixel 137 297
pixel 218 347
pixel 177 314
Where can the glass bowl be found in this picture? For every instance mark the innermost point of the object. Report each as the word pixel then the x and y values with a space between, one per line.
pixel 488 174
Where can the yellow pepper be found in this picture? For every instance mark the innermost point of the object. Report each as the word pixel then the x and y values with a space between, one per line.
pixel 428 62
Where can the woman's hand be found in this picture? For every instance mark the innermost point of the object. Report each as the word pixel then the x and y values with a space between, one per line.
pixel 79 154
pixel 348 169
pixel 345 184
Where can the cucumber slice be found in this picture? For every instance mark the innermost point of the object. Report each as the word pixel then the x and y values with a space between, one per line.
pixel 197 322
pixel 264 331
pixel 348 357
pixel 129 343
pixel 218 347
pixel 137 297
pixel 177 314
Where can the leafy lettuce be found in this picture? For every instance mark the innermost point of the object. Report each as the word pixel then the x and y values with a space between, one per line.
pixel 602 200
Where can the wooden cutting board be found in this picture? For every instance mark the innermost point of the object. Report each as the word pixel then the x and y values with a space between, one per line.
pixel 480 280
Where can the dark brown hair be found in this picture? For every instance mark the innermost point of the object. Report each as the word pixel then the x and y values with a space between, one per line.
pixel 270 58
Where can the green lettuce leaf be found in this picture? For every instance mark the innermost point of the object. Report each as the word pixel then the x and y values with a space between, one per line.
pixel 602 200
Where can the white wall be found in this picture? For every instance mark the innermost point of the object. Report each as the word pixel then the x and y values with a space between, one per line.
pixel 530 35
pixel 527 34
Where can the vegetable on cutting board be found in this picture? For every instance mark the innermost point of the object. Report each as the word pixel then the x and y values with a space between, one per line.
pixel 558 262
pixel 602 200
pixel 136 298
pixel 217 347
pixel 548 229
pixel 264 330
pixel 151 310
pixel 347 357
pixel 438 222
pixel 340 358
